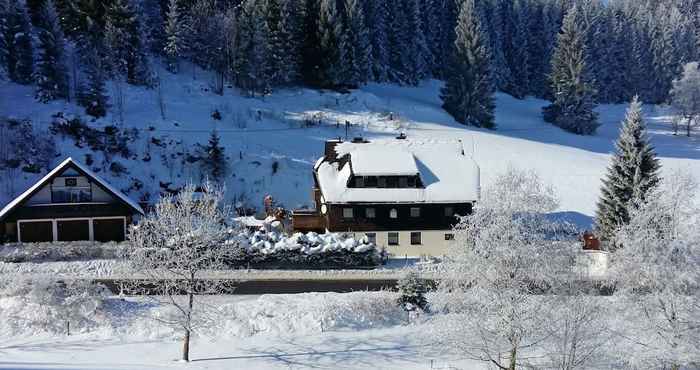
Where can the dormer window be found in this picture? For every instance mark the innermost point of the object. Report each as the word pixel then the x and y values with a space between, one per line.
pixel 359 182
pixel 381 182
pixel 71 182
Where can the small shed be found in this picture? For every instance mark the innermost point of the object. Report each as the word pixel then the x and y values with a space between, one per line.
pixel 70 203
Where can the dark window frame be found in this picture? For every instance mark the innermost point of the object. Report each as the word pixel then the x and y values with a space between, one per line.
pixel 371 210
pixel 390 238
pixel 416 238
pixel 415 215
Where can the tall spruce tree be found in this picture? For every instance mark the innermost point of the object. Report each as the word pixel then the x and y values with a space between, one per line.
pixel 468 91
pixel 358 49
pixel 215 158
pixel 17 42
pixel 174 47
pixel 129 48
pixel 52 72
pixel 330 34
pixel 572 89
pixel 633 173
pixel 377 18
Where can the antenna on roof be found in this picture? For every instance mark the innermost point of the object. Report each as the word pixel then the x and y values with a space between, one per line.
pixel 461 145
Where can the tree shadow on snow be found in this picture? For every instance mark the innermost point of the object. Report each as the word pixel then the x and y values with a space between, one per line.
pixel 352 352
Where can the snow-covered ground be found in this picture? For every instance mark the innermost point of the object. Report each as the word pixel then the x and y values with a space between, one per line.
pixel 315 330
pixel 260 132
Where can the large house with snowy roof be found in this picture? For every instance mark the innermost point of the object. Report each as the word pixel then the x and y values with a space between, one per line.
pixel 403 195
pixel 70 203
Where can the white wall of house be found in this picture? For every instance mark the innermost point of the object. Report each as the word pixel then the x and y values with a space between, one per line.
pixel 433 242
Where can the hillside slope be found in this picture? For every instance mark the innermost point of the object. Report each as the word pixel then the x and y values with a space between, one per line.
pixel 259 132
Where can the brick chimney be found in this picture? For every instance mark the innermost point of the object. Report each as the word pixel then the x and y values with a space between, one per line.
pixel 329 152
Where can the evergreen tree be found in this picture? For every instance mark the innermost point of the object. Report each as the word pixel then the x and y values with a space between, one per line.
pixel 52 74
pixel 215 159
pixel 174 37
pixel 417 52
pixel 129 47
pixel 377 17
pixel 357 47
pixel 329 36
pixel 4 24
pixel 290 29
pixel 632 175
pixel 518 47
pixel 573 92
pixel 17 43
pixel 468 91
pixel 252 60
pixel 412 293
pixel 93 94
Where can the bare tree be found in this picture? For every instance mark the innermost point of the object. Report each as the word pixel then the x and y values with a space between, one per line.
pixel 685 97
pixel 506 251
pixel 174 247
pixel 658 276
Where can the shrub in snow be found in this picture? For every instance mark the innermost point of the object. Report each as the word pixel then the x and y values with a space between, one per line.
pixel 60 251
pixel 39 305
pixel 412 293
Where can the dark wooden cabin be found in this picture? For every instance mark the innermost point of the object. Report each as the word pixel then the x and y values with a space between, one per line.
pixel 70 203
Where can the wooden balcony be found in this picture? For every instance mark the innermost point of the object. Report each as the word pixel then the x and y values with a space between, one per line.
pixel 304 220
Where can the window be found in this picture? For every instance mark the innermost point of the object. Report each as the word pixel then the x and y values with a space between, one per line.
pixel 415 238
pixel 381 182
pixel 371 238
pixel 449 211
pixel 347 212
pixel 393 238
pixel 411 182
pixel 371 182
pixel 370 213
pixel 359 182
pixel 403 182
pixel 415 212
pixel 449 236
pixel 393 213
pixel 392 182
pixel 70 182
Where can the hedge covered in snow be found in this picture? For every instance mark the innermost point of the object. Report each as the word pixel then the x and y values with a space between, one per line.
pixel 60 251
pixel 260 249
pixel 273 249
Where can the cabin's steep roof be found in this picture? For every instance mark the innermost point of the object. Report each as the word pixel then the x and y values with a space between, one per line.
pixel 68 162
pixel 447 174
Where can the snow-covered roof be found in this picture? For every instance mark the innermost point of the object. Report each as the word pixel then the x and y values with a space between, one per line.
pixel 373 161
pixel 65 164
pixel 448 175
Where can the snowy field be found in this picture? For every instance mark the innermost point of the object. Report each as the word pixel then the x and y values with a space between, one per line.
pixel 315 330
pixel 260 132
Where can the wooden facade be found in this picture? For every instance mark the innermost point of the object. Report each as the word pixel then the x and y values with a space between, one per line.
pixel 69 204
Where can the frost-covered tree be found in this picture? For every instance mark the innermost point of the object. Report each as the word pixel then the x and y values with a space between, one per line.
pixel 572 90
pixel 658 276
pixel 291 42
pixel 685 97
pixel 185 236
pixel 17 43
pixel 251 65
pixel 412 293
pixel 505 251
pixel 468 91
pixel 51 72
pixel 174 47
pixel 632 175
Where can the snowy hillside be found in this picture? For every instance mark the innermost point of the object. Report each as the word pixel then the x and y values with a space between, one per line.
pixel 257 133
